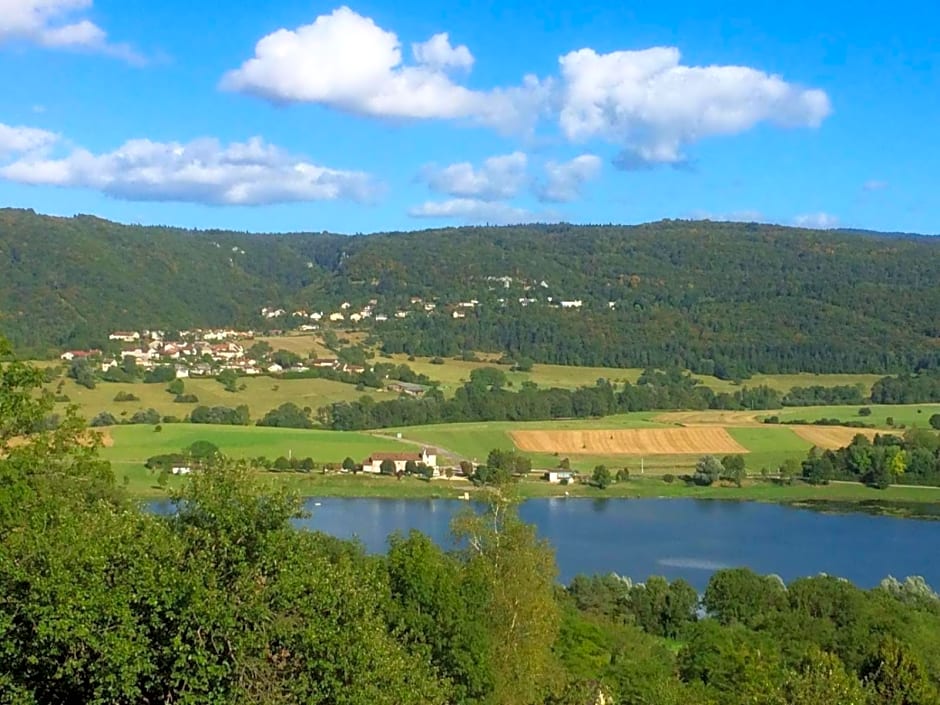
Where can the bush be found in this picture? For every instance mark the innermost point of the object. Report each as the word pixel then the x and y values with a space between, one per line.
pixel 186 399
pixel 126 396
pixel 62 398
pixel 146 416
pixel 437 361
pixel 864 411
pixel 105 418
pixel 669 478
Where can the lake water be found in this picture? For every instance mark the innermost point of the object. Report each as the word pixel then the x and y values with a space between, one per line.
pixel 676 538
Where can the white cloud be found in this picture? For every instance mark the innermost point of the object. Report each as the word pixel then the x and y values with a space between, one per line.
pixel 202 171
pixel 500 177
pixel 816 221
pixel 345 61
pixel 653 107
pixel 438 52
pixel 565 179
pixel 56 24
pixel 19 140
pixel 471 210
pixel 874 185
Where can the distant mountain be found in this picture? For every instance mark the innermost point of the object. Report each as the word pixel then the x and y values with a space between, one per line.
pixel 725 298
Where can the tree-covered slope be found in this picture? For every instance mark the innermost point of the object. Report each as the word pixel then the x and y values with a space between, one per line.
pixel 715 297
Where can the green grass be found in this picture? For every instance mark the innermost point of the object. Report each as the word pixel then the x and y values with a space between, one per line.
pixel 132 445
pixel 770 447
pixel 903 414
pixel 261 394
pixel 454 373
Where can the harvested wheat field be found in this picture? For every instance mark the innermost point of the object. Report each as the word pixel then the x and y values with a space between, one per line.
pixel 644 441
pixel 710 418
pixel 831 437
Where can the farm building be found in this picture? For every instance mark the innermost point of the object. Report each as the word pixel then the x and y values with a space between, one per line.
pixel 427 456
pixel 560 477
pixel 412 390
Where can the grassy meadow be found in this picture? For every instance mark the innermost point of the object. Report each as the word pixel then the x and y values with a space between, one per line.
pixel 907 415
pixel 261 394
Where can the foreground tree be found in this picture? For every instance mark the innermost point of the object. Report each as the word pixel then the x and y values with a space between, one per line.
pixel 514 572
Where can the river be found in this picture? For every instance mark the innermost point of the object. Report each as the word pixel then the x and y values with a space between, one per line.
pixel 676 538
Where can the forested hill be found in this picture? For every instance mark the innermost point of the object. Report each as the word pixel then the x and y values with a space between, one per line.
pixel 714 297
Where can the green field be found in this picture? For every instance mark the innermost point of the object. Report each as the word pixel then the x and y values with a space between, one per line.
pixel 132 445
pixel 903 414
pixel 454 373
pixel 261 394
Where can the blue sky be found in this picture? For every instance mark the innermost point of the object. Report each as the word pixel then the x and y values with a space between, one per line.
pixel 302 115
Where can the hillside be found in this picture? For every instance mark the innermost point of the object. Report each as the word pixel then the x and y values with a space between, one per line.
pixel 718 298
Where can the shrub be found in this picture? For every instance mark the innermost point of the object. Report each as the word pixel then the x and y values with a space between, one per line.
pixel 186 399
pixel 864 411
pixel 669 478
pixel 126 396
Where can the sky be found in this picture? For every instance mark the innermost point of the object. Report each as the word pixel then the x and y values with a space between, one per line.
pixel 375 116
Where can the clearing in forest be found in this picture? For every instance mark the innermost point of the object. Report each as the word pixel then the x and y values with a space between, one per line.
pixel 645 441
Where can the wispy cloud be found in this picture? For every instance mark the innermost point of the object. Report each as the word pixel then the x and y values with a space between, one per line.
pixel 816 221
pixel 59 24
pixel 564 180
pixel 498 178
pixel 873 185
pixel 472 210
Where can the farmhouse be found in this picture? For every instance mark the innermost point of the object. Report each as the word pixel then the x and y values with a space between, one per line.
pixel 427 456
pixel 125 336
pixel 412 390
pixel 560 477
pixel 70 355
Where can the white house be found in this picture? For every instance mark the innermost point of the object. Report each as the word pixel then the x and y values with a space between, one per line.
pixel 337 316
pixel 557 477
pixel 571 304
pixel 427 456
pixel 125 336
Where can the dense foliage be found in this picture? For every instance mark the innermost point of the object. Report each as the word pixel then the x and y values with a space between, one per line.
pixel 911 459
pixel 717 298
pixel 223 601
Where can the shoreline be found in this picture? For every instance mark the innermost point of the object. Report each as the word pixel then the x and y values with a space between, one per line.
pixel 841 498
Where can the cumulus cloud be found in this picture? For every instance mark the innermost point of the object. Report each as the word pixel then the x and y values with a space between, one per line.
pixel 438 53
pixel 500 177
pixel 471 210
pixel 202 171
pixel 564 180
pixel 346 61
pixel 816 221
pixel 19 140
pixel 653 107
pixel 58 24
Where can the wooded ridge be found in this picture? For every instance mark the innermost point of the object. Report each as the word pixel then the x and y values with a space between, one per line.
pixel 717 298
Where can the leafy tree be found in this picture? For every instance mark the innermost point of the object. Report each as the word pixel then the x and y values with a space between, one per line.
pixel 708 470
pixel 104 418
pixel 176 387
pixel 935 421
pixel 411 467
pixel 204 452
pixel 514 572
pixel 349 464
pixel 149 417
pixel 161 375
pixel 738 595
pixel 734 468
pixel 602 477
pixel 287 415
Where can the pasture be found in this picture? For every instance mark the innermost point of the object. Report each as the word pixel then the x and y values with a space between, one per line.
pixel 261 394
pixel 132 445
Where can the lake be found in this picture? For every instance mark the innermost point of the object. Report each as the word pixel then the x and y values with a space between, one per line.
pixel 677 538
